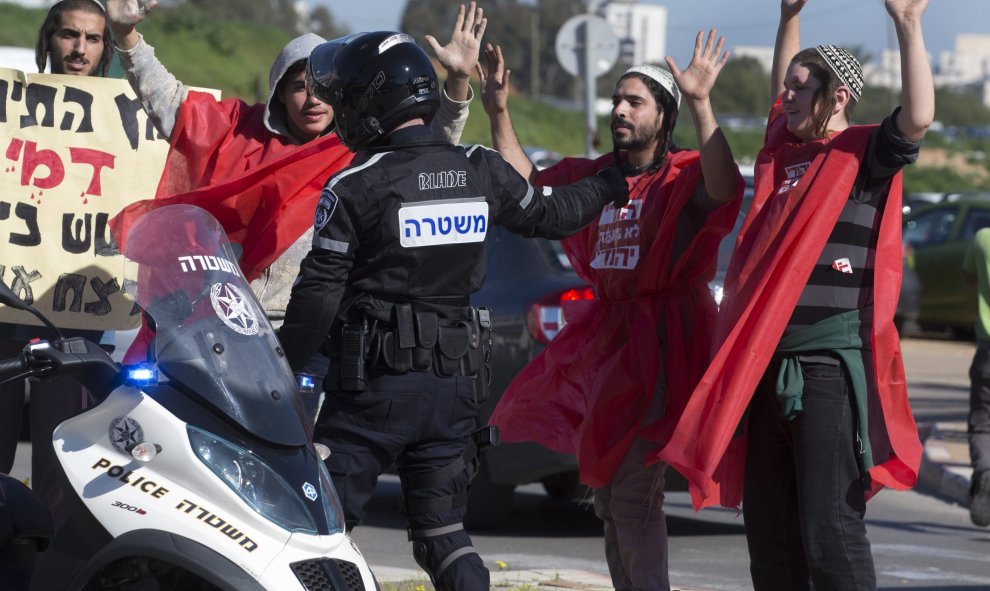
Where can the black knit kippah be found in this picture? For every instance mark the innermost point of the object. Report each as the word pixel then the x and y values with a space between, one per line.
pixel 845 66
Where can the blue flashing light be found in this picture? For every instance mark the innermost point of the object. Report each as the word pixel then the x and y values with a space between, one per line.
pixel 305 382
pixel 141 375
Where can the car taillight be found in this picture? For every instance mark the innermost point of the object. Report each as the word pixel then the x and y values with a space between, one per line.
pixel 546 317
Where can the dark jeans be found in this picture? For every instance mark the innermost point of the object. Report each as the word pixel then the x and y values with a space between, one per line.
pixel 979 407
pixel 804 501
pixel 422 423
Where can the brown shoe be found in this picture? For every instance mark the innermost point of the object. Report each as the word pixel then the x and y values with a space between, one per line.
pixel 979 501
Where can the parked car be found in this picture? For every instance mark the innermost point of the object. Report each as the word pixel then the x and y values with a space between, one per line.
pixel 541 157
pixel 937 237
pixel 528 278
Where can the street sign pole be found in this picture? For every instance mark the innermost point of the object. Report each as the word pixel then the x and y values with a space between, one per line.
pixel 587 48
pixel 589 77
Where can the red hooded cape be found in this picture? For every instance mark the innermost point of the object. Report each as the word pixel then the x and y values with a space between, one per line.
pixel 588 391
pixel 776 251
pixel 261 188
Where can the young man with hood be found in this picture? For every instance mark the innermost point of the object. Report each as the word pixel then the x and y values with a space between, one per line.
pixel 623 368
pixel 231 158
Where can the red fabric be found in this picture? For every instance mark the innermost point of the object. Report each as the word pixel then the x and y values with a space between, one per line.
pixel 261 188
pixel 777 249
pixel 589 390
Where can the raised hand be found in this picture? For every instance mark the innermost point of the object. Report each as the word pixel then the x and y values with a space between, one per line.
pixel 792 7
pixel 127 13
pixel 494 81
pixel 697 80
pixel 906 8
pixel 460 56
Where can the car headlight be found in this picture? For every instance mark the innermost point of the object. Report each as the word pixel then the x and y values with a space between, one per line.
pixel 258 484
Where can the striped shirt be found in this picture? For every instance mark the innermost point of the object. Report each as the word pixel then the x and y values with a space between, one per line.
pixel 842 280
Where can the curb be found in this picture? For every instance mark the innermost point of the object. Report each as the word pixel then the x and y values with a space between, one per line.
pixel 547 579
pixel 540 579
pixel 945 467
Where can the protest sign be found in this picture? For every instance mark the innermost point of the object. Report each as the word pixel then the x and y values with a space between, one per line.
pixel 75 150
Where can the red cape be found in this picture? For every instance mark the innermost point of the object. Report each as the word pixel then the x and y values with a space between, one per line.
pixel 777 249
pixel 262 189
pixel 588 391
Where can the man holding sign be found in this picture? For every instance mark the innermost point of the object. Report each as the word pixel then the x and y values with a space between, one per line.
pixel 75 38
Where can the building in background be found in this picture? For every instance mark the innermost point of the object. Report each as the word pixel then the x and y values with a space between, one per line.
pixel 641 29
pixel 763 55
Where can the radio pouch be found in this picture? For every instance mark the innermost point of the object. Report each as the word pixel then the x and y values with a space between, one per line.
pixel 453 343
pixel 352 372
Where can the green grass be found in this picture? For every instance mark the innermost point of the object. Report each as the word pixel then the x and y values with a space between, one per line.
pixel 233 57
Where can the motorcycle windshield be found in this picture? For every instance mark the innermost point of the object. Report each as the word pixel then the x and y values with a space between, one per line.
pixel 211 334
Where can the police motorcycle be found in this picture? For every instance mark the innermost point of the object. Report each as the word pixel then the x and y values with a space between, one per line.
pixel 196 471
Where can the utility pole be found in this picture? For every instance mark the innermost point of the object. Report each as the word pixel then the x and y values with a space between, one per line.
pixel 534 53
pixel 587 47
pixel 589 77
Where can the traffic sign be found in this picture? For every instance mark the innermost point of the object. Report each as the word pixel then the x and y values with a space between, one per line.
pixel 587 30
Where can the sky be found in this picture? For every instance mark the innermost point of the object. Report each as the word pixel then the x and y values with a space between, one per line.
pixel 863 23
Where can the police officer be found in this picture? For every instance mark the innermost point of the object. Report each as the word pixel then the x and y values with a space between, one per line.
pixel 398 248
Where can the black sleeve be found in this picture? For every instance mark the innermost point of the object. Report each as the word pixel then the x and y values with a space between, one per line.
pixel 889 151
pixel 542 211
pixel 322 277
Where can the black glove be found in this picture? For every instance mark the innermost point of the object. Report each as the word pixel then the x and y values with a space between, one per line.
pixel 616 184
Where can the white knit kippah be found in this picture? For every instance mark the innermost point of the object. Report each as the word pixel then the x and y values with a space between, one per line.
pixel 845 66
pixel 661 77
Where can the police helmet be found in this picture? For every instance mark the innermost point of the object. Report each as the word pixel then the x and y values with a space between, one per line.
pixel 374 82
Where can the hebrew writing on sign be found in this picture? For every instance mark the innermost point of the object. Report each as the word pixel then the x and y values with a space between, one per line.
pixel 73 151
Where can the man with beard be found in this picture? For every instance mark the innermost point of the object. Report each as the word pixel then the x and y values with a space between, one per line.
pixel 607 388
pixel 75 38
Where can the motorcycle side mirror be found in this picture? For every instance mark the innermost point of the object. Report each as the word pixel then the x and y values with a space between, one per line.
pixel 9 298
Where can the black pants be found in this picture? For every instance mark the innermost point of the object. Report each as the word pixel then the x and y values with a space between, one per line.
pixel 979 407
pixel 52 401
pixel 804 501
pixel 422 423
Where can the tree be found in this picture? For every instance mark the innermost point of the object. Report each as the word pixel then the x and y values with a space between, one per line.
pixel 512 30
pixel 322 23
pixel 279 13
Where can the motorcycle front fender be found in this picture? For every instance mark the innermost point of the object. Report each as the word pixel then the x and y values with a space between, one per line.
pixel 200 560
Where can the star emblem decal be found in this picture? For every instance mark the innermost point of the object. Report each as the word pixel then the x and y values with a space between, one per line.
pixel 125 433
pixel 234 308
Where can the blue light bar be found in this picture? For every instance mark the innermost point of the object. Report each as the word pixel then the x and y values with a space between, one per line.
pixel 305 382
pixel 141 375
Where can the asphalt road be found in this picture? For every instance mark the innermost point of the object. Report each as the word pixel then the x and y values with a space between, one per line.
pixel 919 541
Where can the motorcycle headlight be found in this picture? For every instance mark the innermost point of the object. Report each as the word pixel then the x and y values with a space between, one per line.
pixel 331 502
pixel 258 484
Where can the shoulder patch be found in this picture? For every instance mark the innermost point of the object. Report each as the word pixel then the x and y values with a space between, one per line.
pixel 325 208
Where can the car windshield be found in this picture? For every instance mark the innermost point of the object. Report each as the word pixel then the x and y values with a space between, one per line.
pixel 211 335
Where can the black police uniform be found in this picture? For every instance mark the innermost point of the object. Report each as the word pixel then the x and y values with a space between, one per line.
pixel 398 248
